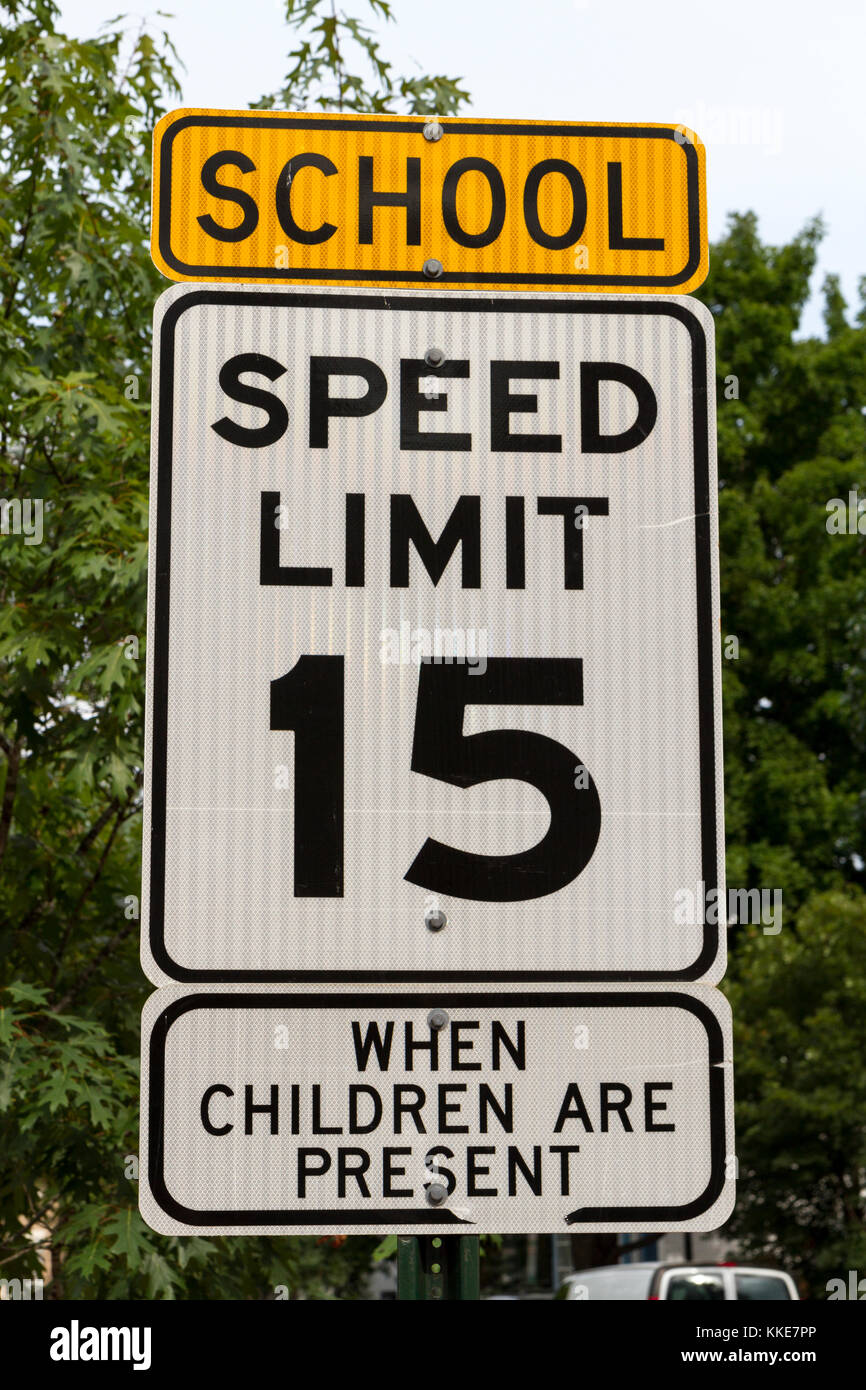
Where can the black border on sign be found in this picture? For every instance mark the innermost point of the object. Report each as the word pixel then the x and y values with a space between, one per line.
pixel 374 277
pixel 427 1216
pixel 160 654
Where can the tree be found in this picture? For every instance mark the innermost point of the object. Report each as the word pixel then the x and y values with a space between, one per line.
pixel 76 293
pixel 77 289
pixel 332 42
pixel 799 1004
pixel 791 438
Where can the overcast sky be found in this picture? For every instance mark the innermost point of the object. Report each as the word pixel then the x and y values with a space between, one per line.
pixel 775 88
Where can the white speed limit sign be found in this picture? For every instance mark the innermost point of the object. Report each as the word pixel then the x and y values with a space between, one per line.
pixel 433 648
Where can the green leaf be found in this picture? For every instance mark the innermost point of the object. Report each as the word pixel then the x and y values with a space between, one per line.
pixel 386 1249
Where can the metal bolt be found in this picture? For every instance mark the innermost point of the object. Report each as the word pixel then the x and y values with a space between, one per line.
pixel 436 1193
pixel 434 357
pixel 433 269
pixel 433 131
pixel 435 919
pixel 437 1018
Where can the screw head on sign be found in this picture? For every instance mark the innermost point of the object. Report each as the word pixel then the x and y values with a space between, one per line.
pixel 433 131
pixel 434 357
pixel 433 268
pixel 435 919
pixel 437 1018
pixel 436 1194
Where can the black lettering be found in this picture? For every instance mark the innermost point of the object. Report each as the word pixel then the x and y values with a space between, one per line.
pixel 269 1109
pixel 619 1107
pixel 355 1125
pixel 373 1041
pixel 438 1171
pixel 572 531
pixel 317 1126
pixel 565 1151
pixel 270 569
pixel 516 1050
pixel 503 405
pixel 413 401
pixel 389 1172
pixel 440 749
pixel 532 1178
pixel 616 240
pixel 515 543
pixel 210 169
pixel 592 441
pixel 459 1045
pixel 356 1172
pixel 463 527
pixel 449 202
pixel 205 1109
pixel 473 1172
pixel 230 381
pixel 446 1108
pixel 370 198
pixel 309 701
pixel 429 1044
pixel 324 407
pixel 304 1169
pixel 285 216
pixel 355 531
pixel 578 205
pixel 408 1107
pixel 573 1108
pixel 504 1113
pixel 650 1105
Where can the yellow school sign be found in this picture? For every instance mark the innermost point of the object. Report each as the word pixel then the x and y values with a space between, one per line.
pixel 332 199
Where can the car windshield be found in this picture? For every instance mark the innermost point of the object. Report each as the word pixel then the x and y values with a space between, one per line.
pixel 761 1287
pixel 617 1282
pixel 696 1287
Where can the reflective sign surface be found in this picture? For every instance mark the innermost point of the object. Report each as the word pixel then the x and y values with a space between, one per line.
pixel 369 200
pixel 276 1112
pixel 433 653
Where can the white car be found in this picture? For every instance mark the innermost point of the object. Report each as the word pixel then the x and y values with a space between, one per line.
pixel 680 1283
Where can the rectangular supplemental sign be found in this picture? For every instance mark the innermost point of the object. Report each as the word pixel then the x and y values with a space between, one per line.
pixel 346 200
pixel 284 1113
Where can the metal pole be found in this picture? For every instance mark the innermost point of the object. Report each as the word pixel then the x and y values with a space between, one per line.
pixel 438 1269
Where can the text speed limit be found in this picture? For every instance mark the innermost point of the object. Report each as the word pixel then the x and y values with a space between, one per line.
pixel 433 674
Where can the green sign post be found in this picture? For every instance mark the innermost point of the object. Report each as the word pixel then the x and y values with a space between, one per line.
pixel 438 1269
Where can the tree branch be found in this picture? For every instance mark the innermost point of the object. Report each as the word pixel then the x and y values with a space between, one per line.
pixel 85 975
pixel 85 894
pixel 88 838
pixel 13 759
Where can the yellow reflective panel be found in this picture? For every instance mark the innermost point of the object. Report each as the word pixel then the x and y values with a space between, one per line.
pixel 373 200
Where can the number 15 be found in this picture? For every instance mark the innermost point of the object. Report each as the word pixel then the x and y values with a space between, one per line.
pixel 309 700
